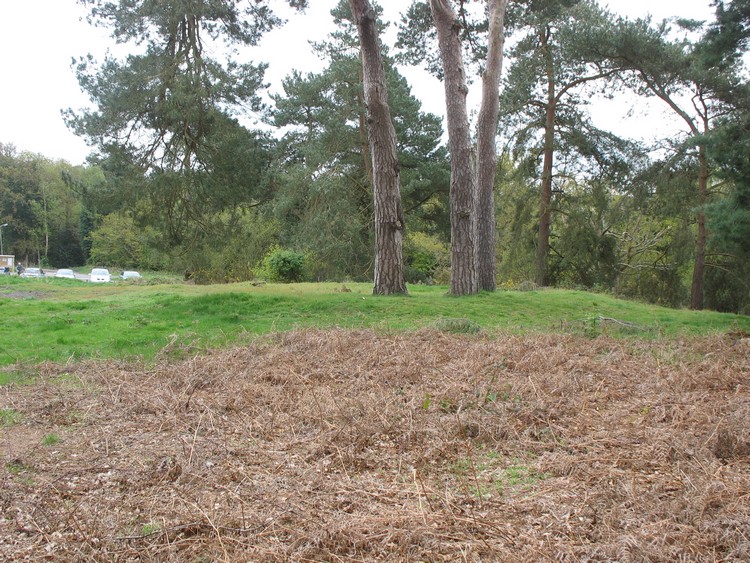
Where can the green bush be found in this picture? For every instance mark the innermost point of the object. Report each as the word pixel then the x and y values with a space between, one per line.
pixel 662 286
pixel 230 255
pixel 426 258
pixel 727 288
pixel 116 242
pixel 284 266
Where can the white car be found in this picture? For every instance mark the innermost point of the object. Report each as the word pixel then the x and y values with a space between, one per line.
pixel 130 275
pixel 65 273
pixel 100 275
pixel 32 273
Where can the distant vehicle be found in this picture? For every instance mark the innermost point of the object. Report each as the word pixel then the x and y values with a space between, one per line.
pixel 130 275
pixel 65 273
pixel 100 275
pixel 32 273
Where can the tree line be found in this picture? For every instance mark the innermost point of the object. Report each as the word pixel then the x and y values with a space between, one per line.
pixel 349 178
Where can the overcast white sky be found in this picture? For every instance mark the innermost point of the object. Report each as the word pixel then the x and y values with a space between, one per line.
pixel 39 38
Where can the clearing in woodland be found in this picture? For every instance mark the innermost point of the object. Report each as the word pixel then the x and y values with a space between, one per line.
pixel 354 445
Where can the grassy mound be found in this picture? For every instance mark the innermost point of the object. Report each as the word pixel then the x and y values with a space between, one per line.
pixel 63 320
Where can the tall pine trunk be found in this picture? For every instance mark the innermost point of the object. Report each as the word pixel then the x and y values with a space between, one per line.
pixel 463 188
pixel 699 265
pixel 545 204
pixel 472 182
pixel 486 148
pixel 389 217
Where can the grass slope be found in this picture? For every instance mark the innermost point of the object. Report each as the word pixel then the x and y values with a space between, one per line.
pixel 61 319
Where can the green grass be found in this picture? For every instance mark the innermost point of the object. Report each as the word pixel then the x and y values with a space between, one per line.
pixel 9 417
pixel 150 528
pixel 50 440
pixel 20 471
pixel 491 474
pixel 8 377
pixel 59 320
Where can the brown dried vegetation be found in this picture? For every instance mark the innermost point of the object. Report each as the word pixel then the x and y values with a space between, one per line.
pixel 357 446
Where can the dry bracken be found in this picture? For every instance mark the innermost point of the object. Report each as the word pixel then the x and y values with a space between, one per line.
pixel 357 446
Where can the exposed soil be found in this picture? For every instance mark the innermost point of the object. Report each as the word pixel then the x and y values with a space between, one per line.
pixel 359 446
